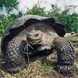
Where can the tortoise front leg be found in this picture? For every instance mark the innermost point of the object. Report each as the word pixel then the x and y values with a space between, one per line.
pixel 15 58
pixel 65 53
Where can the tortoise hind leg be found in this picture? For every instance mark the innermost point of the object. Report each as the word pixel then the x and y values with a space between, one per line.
pixel 15 59
pixel 65 53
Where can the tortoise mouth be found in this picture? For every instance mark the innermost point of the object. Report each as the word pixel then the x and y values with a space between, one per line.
pixel 35 41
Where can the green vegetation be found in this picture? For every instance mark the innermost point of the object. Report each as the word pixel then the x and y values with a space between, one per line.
pixel 9 5
pixel 65 17
pixel 36 10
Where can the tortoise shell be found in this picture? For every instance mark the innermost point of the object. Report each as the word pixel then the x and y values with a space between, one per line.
pixel 20 24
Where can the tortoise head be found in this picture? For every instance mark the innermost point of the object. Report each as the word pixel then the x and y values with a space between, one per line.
pixel 34 37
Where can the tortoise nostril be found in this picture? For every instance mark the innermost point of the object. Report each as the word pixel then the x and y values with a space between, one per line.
pixel 36 35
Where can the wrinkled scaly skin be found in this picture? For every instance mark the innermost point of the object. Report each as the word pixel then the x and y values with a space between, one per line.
pixel 65 53
pixel 15 58
pixel 46 39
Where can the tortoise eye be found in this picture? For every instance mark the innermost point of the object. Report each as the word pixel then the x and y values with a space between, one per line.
pixel 36 35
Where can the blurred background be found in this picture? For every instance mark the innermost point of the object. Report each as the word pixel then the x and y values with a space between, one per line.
pixel 64 11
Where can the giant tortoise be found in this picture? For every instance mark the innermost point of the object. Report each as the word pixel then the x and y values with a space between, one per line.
pixel 31 35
